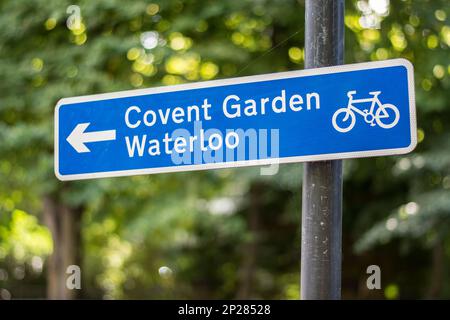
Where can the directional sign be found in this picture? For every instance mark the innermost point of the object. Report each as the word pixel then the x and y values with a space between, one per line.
pixel 348 111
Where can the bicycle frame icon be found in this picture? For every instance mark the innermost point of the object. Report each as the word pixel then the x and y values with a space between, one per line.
pixel 386 115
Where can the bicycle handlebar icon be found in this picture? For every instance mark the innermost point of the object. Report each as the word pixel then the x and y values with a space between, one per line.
pixel 386 115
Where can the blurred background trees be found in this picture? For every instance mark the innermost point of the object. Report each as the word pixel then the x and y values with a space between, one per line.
pixel 215 234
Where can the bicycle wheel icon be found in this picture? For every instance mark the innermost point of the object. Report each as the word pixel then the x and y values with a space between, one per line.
pixel 387 116
pixel 344 120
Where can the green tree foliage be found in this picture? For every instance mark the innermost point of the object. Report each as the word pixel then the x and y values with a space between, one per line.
pixel 223 233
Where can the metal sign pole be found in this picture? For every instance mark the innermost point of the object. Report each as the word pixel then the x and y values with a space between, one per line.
pixel 322 181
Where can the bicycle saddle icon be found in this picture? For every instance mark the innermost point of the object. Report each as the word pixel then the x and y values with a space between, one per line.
pixel 386 115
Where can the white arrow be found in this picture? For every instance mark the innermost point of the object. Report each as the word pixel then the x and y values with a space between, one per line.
pixel 78 137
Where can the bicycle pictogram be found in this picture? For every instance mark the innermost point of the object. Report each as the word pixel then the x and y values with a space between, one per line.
pixel 386 115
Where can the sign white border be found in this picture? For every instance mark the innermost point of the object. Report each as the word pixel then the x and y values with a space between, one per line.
pixel 249 79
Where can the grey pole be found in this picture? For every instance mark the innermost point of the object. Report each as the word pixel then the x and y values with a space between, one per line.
pixel 321 255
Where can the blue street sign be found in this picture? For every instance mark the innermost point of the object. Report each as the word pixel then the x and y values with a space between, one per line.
pixel 348 111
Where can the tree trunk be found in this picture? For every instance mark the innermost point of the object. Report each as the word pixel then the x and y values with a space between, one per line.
pixel 65 225
pixel 250 249
pixel 437 271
